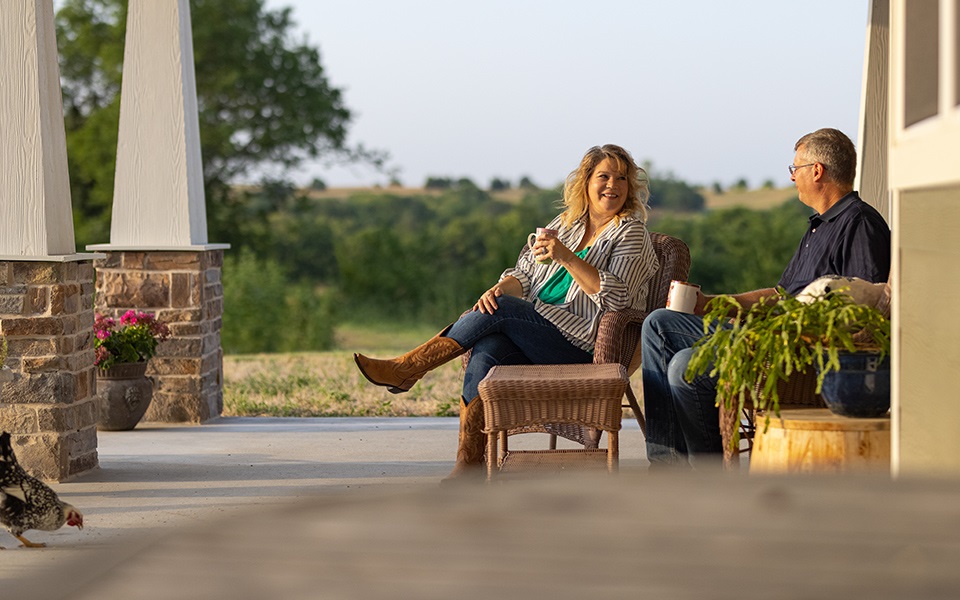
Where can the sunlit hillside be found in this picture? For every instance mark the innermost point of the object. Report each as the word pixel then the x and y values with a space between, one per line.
pixel 757 199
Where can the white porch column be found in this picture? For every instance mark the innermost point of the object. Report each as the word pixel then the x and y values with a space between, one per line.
pixel 158 258
pixel 46 287
pixel 872 139
pixel 35 214
pixel 158 191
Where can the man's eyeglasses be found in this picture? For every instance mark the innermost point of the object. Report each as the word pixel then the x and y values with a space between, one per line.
pixel 793 168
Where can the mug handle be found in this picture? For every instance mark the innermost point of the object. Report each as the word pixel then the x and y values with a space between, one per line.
pixel 531 240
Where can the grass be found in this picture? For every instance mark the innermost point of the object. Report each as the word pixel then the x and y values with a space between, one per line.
pixel 328 384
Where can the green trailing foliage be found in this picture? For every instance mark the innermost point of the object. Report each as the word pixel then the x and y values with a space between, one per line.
pixel 753 350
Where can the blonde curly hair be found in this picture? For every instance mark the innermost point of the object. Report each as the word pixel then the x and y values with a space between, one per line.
pixel 575 187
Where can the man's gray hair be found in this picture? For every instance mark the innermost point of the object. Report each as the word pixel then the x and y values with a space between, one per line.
pixel 832 149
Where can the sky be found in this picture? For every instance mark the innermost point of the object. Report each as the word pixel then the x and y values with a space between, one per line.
pixel 706 91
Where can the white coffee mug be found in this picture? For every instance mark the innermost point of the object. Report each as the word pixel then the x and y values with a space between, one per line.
pixel 683 296
pixel 532 239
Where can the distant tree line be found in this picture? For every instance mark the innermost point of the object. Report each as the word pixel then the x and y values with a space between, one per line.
pixel 424 258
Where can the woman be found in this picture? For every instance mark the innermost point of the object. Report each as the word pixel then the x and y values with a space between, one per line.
pixel 545 312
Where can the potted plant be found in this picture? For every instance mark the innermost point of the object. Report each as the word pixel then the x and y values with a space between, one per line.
pixel 122 349
pixel 752 351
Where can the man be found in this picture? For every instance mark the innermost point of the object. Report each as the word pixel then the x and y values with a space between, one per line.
pixel 846 236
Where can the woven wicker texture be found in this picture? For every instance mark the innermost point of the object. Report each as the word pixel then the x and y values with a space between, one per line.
pixel 519 396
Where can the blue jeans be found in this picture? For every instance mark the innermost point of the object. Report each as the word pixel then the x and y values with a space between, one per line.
pixel 682 418
pixel 515 334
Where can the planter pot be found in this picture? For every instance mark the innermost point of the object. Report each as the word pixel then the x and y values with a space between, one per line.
pixel 123 396
pixel 861 388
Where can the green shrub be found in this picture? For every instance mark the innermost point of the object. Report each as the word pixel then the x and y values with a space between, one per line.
pixel 263 312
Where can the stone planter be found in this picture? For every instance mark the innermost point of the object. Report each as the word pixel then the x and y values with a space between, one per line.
pixel 123 396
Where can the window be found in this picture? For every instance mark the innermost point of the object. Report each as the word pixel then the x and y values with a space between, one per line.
pixel 921 60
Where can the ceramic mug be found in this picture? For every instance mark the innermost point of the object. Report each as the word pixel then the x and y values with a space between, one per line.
pixel 683 296
pixel 532 239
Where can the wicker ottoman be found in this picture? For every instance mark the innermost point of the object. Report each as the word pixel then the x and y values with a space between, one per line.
pixel 522 398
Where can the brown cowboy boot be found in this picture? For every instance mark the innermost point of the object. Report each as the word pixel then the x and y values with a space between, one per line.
pixel 472 442
pixel 399 374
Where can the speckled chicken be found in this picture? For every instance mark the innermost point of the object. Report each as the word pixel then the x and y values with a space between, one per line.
pixel 27 503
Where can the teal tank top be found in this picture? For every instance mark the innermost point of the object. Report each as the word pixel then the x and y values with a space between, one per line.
pixel 556 288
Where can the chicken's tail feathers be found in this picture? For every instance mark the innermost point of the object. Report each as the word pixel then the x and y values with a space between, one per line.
pixel 6 450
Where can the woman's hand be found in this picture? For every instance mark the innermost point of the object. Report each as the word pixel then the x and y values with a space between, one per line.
pixel 549 246
pixel 487 303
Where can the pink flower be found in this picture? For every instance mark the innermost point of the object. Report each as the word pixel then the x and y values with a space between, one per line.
pixel 101 354
pixel 134 339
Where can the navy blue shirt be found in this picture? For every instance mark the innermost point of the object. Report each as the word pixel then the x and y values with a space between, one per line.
pixel 849 239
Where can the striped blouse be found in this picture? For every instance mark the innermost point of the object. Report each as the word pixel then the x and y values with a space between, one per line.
pixel 624 256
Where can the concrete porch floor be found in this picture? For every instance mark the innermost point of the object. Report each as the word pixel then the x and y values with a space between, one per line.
pixel 350 508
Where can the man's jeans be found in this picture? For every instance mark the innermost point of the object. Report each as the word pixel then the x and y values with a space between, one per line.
pixel 515 334
pixel 682 418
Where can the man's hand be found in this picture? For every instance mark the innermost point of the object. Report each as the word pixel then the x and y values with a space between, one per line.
pixel 702 300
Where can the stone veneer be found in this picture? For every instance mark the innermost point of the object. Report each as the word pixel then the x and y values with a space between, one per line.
pixel 184 290
pixel 46 316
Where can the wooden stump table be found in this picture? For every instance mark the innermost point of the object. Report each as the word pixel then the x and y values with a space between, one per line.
pixel 817 440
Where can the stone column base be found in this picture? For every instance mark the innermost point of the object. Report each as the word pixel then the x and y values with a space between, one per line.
pixel 184 290
pixel 46 316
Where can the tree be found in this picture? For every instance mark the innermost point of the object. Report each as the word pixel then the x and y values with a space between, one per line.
pixel 438 183
pixel 674 194
pixel 739 249
pixel 264 102
pixel 527 184
pixel 499 185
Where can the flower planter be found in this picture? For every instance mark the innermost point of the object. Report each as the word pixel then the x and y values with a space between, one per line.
pixel 123 396
pixel 861 388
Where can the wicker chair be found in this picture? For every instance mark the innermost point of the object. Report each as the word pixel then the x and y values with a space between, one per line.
pixel 618 340
pixel 797 392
